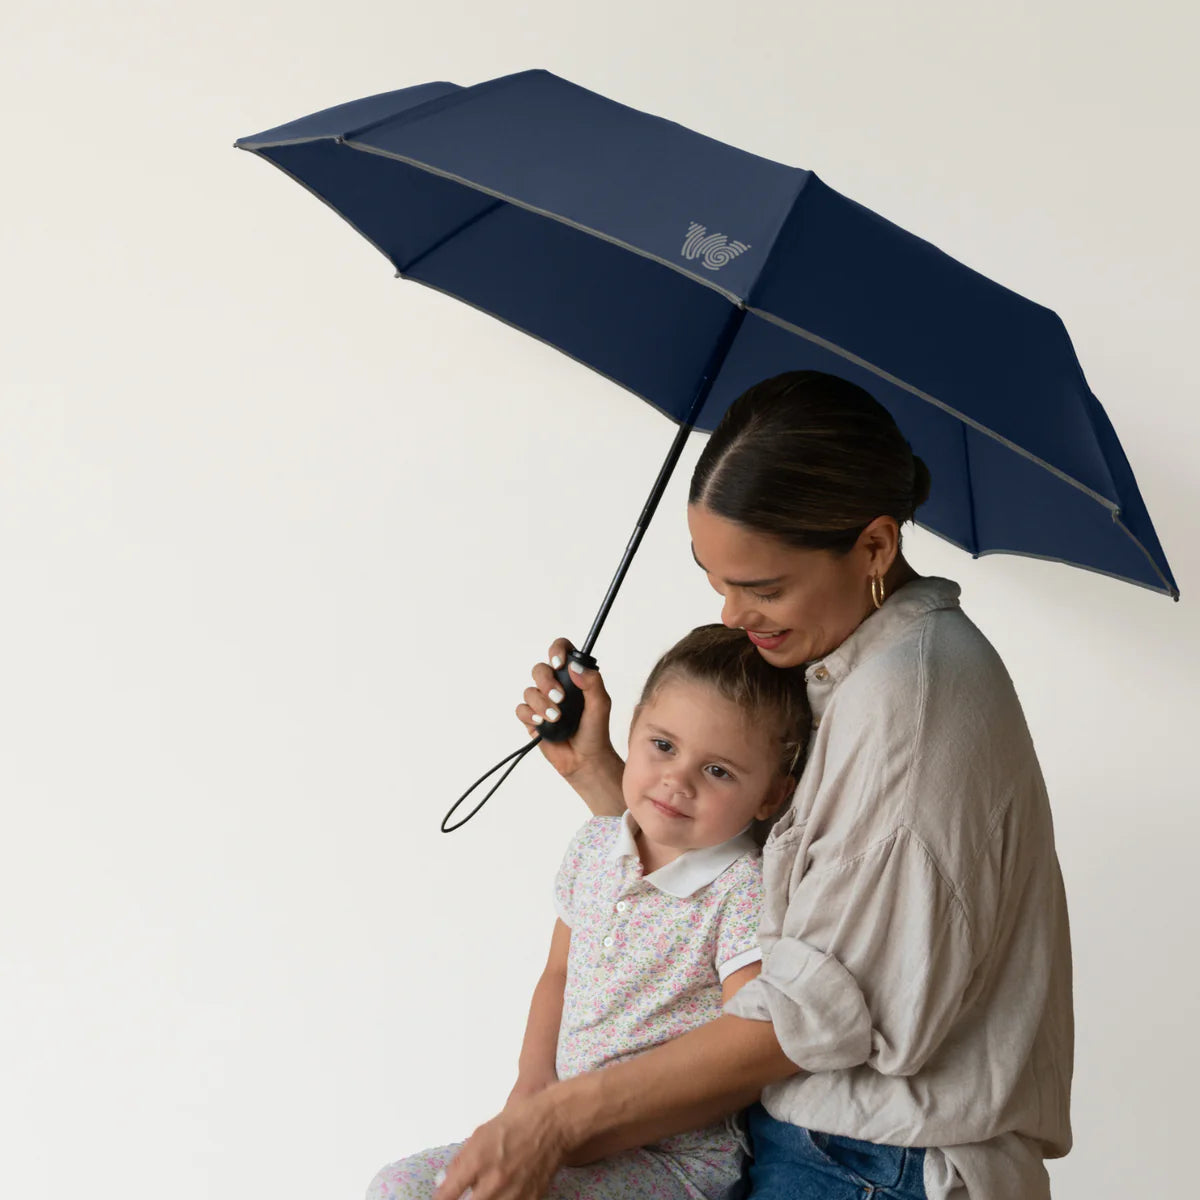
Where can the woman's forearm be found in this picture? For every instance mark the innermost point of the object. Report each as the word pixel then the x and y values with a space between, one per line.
pixel 687 1083
pixel 599 785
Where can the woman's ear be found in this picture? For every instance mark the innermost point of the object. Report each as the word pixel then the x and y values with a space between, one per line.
pixel 880 542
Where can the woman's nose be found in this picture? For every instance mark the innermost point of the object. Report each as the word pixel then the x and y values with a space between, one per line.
pixel 733 612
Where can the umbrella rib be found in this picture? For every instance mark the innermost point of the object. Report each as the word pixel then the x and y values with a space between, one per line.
pixel 1166 590
pixel 1171 590
pixel 1162 591
pixel 658 408
pixel 408 266
pixel 970 492
pixel 850 356
pixel 312 192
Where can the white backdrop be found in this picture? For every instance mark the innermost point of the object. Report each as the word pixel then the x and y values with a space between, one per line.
pixel 280 536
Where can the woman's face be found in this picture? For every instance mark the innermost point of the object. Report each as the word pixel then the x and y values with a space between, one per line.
pixel 795 605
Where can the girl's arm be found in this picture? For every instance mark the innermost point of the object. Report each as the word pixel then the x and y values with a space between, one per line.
pixel 536 1066
pixel 587 761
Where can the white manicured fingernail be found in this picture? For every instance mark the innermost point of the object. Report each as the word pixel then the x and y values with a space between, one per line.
pixel 556 695
pixel 536 719
pixel 552 714
pixel 576 667
pixel 439 1178
pixel 556 662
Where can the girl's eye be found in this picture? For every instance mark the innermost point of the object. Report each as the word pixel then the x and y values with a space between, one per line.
pixel 718 772
pixel 766 595
pixel 661 744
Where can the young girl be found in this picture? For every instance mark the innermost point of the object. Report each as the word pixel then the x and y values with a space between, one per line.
pixel 658 909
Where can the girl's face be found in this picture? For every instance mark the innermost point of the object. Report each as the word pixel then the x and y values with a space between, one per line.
pixel 699 769
pixel 795 605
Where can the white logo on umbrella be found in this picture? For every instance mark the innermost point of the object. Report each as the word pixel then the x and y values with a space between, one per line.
pixel 713 249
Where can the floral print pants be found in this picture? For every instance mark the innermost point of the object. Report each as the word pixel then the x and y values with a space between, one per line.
pixel 645 1174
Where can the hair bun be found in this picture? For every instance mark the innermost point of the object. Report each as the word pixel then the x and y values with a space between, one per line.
pixel 921 483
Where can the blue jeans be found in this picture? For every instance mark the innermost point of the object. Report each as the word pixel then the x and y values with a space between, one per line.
pixel 792 1163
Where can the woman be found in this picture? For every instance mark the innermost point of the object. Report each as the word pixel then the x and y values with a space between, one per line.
pixel 911 1030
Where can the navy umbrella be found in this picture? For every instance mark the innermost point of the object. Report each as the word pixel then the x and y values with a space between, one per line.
pixel 686 270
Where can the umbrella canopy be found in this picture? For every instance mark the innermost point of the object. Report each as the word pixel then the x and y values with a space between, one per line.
pixel 686 270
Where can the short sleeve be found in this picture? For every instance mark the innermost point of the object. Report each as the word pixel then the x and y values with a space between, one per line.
pixel 737 925
pixel 572 865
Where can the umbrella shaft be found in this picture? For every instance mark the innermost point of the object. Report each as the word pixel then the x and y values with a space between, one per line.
pixel 664 475
pixel 660 486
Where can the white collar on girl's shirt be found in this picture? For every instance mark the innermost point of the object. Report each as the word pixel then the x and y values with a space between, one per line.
pixel 693 869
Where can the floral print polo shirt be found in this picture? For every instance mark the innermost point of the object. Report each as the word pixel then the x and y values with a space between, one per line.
pixel 649 952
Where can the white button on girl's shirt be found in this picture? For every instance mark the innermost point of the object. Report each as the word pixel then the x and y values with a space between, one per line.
pixel 621 906
pixel 821 674
pixel 608 941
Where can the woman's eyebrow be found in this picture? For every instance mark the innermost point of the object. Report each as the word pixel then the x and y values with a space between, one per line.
pixel 743 583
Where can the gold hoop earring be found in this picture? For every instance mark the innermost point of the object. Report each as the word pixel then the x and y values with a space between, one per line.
pixel 878 595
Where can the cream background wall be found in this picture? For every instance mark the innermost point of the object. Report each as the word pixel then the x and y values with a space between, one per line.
pixel 280 536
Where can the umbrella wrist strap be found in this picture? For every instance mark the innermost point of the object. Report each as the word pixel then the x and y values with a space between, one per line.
pixel 511 761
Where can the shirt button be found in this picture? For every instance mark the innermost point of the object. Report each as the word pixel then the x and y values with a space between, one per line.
pixel 821 674
pixel 608 941
pixel 621 906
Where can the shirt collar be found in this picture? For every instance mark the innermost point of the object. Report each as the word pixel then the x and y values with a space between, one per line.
pixel 904 606
pixel 693 869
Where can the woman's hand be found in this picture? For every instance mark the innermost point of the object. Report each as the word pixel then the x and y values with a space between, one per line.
pixel 513 1157
pixel 590 752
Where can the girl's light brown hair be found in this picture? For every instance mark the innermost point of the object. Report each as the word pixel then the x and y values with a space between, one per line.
pixel 726 660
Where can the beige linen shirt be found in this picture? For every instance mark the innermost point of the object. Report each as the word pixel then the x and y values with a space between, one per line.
pixel 916 956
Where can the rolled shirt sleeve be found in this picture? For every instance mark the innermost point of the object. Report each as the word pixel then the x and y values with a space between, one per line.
pixel 818 1010
pixel 871 964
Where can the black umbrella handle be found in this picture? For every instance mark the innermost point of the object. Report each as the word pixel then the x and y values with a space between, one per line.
pixel 571 708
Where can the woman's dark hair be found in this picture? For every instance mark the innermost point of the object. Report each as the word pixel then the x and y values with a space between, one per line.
pixel 811 459
pixel 728 661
